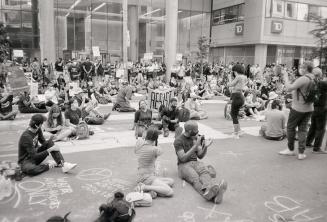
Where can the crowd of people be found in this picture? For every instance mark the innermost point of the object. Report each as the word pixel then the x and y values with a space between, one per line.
pixel 285 99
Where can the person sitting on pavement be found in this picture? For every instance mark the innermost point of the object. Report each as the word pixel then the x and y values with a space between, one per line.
pixel 55 125
pixel 148 179
pixel 189 147
pixel 26 105
pixel 276 122
pixel 196 112
pixel 73 113
pixel 122 101
pixel 51 95
pixel 91 116
pixel 31 156
pixel 142 119
pixel 250 106
pixel 169 117
pixel 6 102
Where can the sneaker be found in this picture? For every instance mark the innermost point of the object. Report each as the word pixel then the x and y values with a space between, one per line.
pixel 211 192
pixel 139 188
pixel 166 133
pixel 320 151
pixel 301 156
pixel 68 166
pixel 222 188
pixel 287 152
pixel 52 164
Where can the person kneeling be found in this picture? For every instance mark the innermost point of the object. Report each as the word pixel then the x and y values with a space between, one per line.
pixel 190 147
pixel 148 180
pixel 169 117
pixel 31 156
pixel 276 120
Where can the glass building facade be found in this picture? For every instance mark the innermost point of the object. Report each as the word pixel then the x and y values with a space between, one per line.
pixel 21 20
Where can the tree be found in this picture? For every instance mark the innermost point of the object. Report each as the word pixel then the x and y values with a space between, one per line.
pixel 204 45
pixel 320 32
pixel 4 42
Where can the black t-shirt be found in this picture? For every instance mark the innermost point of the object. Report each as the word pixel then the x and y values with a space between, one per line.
pixel 6 105
pixel 322 103
pixel 73 115
pixel 59 66
pixel 184 143
pixel 171 114
pixel 21 100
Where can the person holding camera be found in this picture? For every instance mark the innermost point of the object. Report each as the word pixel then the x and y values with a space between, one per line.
pixel 189 147
pixel 31 156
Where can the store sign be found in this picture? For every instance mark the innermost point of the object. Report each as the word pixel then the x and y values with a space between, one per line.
pixel 239 29
pixel 277 27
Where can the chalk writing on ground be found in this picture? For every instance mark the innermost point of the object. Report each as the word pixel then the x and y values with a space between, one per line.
pixel 221 216
pixel 5 219
pixel 46 192
pixel 107 187
pixel 15 197
pixel 287 209
pixel 94 174
pixel 186 217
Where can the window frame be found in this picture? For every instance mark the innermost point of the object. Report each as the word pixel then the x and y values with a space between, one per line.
pixel 222 21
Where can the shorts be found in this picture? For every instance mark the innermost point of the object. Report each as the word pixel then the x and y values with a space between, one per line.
pixel 146 179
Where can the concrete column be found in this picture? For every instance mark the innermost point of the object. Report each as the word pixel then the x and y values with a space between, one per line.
pixel 125 36
pixel 133 27
pixel 47 30
pixel 171 35
pixel 260 55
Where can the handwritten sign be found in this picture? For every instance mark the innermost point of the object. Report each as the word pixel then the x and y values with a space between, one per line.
pixel 47 192
pixel 156 98
pixel 287 209
pixel 17 80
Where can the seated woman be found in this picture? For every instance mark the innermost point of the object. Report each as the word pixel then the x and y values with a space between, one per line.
pixel 148 180
pixel 73 113
pixel 250 106
pixel 55 125
pixel 142 120
pixel 276 121
pixel 202 90
pixel 122 101
pixel 6 102
pixel 51 95
pixel 196 112
pixel 25 105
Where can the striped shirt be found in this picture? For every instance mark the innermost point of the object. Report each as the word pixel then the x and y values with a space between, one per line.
pixel 147 155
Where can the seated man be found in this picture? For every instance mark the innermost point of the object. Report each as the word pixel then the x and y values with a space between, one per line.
pixel 122 101
pixel 26 105
pixel 6 112
pixel 91 116
pixel 189 147
pixel 196 112
pixel 276 121
pixel 31 156
pixel 169 117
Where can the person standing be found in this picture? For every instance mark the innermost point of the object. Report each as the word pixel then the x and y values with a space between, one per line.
pixel 237 85
pixel 301 109
pixel 318 119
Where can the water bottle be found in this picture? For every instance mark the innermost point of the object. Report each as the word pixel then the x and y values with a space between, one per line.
pixel 18 173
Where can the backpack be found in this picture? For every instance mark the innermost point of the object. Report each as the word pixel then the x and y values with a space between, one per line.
pixel 183 115
pixel 82 131
pixel 313 93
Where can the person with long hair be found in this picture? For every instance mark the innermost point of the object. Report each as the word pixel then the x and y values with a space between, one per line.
pixel 148 180
pixel 55 125
pixel 237 85
pixel 142 119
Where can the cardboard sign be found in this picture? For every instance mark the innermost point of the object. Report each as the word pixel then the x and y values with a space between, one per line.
pixel 34 89
pixel 18 53
pixel 157 97
pixel 17 80
pixel 96 51
pixel 148 56
pixel 179 56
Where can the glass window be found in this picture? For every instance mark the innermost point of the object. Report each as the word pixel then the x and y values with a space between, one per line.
pixel 268 8
pixel 313 12
pixel 278 8
pixel 231 14
pixel 228 15
pixel 290 10
pixel 241 12
pixel 302 12
pixel 216 17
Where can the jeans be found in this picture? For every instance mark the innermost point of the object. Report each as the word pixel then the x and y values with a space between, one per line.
pixel 166 124
pixel 35 167
pixel 299 120
pixel 197 174
pixel 317 129
pixel 237 103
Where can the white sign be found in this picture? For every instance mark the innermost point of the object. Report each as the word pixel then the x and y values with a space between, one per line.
pixel 128 39
pixel 96 51
pixel 179 56
pixel 34 89
pixel 148 56
pixel 18 53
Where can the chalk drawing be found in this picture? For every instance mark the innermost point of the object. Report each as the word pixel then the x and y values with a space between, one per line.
pixel 47 192
pixel 15 194
pixel 282 205
pixel 94 174
pixel 187 217
pixel 231 153
pixel 221 216
pixel 5 219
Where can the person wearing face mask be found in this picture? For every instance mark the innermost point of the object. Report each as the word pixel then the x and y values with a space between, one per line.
pixel 142 119
pixel 169 117
pixel 190 147
pixel 31 156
